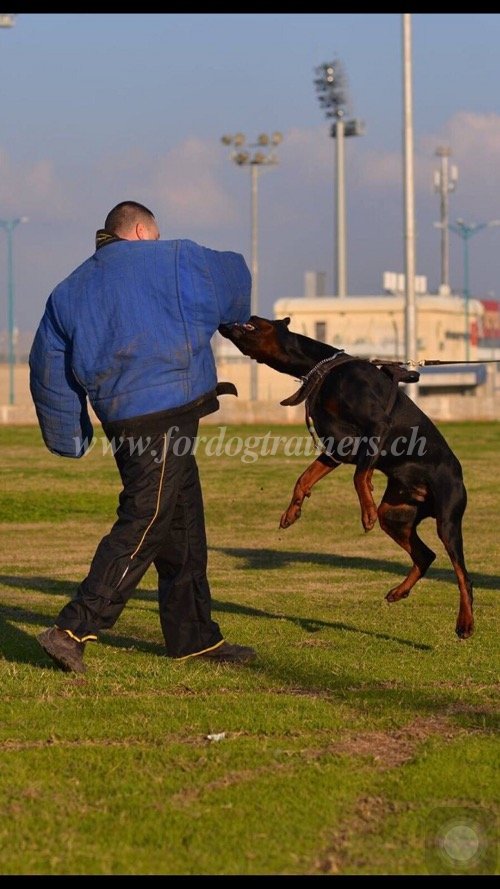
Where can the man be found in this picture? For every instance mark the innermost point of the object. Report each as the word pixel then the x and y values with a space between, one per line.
pixel 130 330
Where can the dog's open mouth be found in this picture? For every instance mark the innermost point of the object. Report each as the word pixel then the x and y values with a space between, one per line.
pixel 229 329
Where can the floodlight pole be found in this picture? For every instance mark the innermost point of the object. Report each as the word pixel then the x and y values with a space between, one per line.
pixel 330 86
pixel 340 204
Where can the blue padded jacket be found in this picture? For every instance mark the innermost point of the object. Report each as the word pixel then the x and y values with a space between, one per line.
pixel 130 329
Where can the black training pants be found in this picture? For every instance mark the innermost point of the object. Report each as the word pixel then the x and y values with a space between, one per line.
pixel 160 520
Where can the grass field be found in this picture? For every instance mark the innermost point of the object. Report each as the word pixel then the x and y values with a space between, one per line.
pixel 362 741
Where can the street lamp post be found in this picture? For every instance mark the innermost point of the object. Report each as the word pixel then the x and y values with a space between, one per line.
pixel 466 231
pixel 8 20
pixel 9 225
pixel 263 156
pixel 331 89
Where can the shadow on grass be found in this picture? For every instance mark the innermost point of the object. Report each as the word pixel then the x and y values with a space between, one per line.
pixel 308 624
pixel 261 560
pixel 311 624
pixel 20 647
pixel 66 588
pixel 254 559
pixel 311 678
pixel 53 587
pixel 267 559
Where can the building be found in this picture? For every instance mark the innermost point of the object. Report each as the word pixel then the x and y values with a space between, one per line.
pixel 368 326
pixel 373 327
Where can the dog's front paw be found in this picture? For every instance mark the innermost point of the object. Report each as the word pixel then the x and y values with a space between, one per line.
pixel 369 518
pixel 290 516
pixel 465 626
pixel 398 592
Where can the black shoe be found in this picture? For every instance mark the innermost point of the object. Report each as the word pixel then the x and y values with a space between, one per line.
pixel 66 652
pixel 230 654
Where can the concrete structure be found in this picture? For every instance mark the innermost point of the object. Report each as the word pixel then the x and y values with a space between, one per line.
pixel 374 326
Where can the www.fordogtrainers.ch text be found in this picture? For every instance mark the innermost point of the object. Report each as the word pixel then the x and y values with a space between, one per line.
pixel 250 448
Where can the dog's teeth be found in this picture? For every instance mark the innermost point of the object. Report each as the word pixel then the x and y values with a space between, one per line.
pixel 248 326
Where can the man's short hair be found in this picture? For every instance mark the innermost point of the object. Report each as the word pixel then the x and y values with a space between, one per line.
pixel 126 214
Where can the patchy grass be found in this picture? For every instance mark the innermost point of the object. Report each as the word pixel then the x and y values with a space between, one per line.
pixel 361 741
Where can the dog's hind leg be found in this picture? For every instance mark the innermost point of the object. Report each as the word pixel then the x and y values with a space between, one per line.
pixel 316 471
pixel 449 528
pixel 399 520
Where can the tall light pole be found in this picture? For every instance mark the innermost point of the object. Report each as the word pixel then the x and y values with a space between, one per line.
pixel 445 181
pixel 9 225
pixel 263 156
pixel 330 83
pixel 466 231
pixel 411 344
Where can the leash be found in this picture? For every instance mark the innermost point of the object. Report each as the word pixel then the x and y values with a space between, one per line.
pixel 396 370
pixel 313 380
pixel 429 362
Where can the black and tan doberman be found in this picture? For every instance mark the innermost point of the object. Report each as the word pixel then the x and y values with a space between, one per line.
pixel 362 417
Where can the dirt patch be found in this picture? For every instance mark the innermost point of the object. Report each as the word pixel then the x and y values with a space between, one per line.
pixel 298 691
pixel 387 748
pixel 364 820
pixel 396 747
pixel 189 795
pixel 461 708
pixel 43 744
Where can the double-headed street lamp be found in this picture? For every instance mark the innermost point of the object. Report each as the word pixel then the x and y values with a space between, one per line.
pixel 466 231
pixel 262 154
pixel 9 225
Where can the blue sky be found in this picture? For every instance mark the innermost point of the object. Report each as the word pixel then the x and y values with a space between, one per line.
pixel 97 108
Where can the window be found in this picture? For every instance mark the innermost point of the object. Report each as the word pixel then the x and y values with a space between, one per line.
pixel 320 331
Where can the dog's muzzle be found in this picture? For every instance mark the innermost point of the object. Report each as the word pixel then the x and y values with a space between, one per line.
pixel 229 330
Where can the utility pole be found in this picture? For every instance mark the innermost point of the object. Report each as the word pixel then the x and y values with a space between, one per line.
pixel 411 349
pixel 445 181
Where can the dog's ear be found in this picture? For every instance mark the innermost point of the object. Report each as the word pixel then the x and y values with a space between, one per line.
pixel 285 321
